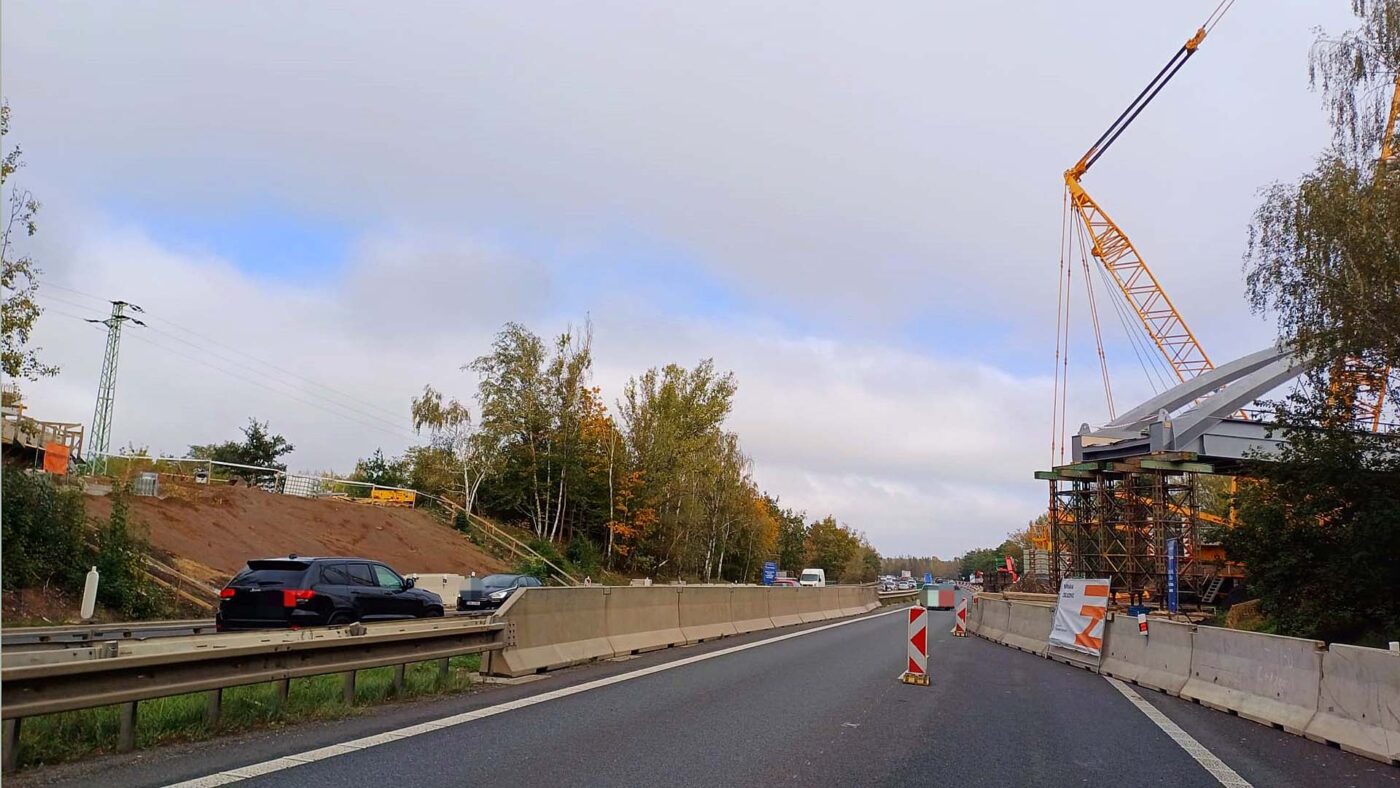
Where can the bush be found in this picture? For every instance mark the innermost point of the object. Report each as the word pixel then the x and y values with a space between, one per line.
pixel 461 523
pixel 121 563
pixel 584 555
pixel 533 567
pixel 42 532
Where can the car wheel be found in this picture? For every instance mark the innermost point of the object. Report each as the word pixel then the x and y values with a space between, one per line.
pixel 339 620
pixel 434 612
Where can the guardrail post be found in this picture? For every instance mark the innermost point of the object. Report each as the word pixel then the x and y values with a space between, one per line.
pixel 214 707
pixel 126 732
pixel 349 677
pixel 398 678
pixel 444 669
pixel 284 688
pixel 11 745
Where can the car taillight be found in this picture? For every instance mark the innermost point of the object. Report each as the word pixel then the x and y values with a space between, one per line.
pixel 294 596
pixel 227 593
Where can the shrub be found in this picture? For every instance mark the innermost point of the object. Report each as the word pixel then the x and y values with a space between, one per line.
pixel 584 555
pixel 121 562
pixel 42 532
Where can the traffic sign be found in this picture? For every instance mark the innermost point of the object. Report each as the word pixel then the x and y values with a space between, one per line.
pixel 770 572
pixel 960 618
pixel 928 578
pixel 917 671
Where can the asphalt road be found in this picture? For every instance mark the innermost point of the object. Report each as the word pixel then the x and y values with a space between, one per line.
pixel 820 709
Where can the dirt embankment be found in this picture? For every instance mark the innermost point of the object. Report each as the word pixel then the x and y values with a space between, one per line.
pixel 208 532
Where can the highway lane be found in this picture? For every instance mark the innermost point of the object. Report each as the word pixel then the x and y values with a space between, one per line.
pixel 820 708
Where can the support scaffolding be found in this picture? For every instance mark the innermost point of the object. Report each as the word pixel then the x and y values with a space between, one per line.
pixel 1113 519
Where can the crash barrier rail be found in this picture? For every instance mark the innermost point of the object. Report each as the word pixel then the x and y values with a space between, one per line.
pixel 558 627
pixel 1348 696
pixel 897 595
pixel 127 673
pixel 68 636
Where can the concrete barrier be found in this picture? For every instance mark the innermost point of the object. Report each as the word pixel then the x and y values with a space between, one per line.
pixel 749 606
pixel 784 606
pixel 706 612
pixel 445 586
pixel 975 607
pixel 809 605
pixel 1359 702
pixel 1028 627
pixel 1160 661
pixel 852 603
pixel 829 602
pixel 553 627
pixel 871 598
pixel 1266 678
pixel 996 617
pixel 643 618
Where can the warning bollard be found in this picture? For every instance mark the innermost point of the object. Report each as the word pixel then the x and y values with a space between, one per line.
pixel 1142 624
pixel 917 672
pixel 960 619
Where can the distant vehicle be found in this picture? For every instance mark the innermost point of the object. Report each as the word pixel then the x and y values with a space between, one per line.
pixel 887 585
pixel 295 592
pixel 906 584
pixel 493 591
pixel 815 578
pixel 786 582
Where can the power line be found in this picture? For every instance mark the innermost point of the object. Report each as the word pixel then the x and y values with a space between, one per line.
pixel 395 416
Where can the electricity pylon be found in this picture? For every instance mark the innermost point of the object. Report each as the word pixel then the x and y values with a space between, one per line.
pixel 107 386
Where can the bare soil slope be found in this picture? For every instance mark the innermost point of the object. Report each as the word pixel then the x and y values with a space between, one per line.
pixel 208 532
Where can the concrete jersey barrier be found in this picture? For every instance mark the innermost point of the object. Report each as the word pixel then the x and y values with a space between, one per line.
pixel 974 614
pixel 1160 661
pixel 749 606
pixel 706 612
pixel 784 606
pixel 552 628
pixel 1265 678
pixel 643 618
pixel 1028 627
pixel 996 617
pixel 829 602
pixel 1359 702
pixel 851 600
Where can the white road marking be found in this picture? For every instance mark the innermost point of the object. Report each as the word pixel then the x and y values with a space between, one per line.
pixel 355 745
pixel 1217 768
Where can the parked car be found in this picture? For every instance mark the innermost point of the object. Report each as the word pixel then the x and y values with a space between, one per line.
pixel 813 577
pixel 273 593
pixel 786 581
pixel 492 591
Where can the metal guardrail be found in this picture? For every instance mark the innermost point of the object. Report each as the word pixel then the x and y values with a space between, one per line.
pixel 68 636
pixel 125 674
pixel 895 595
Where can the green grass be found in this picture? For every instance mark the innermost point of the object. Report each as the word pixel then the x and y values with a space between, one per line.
pixel 55 738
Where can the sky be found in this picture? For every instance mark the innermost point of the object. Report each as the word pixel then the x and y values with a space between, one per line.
pixel 856 208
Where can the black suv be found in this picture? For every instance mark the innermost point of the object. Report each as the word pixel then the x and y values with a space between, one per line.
pixel 308 592
pixel 492 591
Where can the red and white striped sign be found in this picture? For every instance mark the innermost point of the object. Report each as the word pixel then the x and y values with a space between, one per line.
pixel 917 671
pixel 960 618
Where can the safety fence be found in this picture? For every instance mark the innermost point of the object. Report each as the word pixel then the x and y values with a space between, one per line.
pixel 558 627
pixel 1348 696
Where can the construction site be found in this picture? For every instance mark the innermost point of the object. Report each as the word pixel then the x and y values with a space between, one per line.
pixel 1126 500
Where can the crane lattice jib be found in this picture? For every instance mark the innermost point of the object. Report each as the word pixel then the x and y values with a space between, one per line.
pixel 1139 286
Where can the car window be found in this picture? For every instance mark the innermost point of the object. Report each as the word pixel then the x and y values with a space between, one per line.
pixel 535 582
pixel 360 575
pixel 386 577
pixel 288 578
pixel 335 575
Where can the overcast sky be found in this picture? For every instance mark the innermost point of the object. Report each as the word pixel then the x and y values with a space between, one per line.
pixel 853 206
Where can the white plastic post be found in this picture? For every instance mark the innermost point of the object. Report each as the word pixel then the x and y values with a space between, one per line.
pixel 1142 624
pixel 89 605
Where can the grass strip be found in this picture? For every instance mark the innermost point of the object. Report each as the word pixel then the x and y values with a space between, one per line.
pixel 72 735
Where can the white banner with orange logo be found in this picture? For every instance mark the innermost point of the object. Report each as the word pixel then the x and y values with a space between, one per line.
pixel 1079 615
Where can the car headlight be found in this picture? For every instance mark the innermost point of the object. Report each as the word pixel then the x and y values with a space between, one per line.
pixel 501 594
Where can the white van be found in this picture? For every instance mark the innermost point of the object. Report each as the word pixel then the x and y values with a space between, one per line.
pixel 815 578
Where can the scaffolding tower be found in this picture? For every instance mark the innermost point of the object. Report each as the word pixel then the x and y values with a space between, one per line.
pixel 1114 519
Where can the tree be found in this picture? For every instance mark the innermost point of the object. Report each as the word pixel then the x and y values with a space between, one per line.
pixel 259 448
pixel 830 546
pixel 379 470
pixel 1317 530
pixel 792 537
pixel 19 276
pixel 1324 251
pixel 454 448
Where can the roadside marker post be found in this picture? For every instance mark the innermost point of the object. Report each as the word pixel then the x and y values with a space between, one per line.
pixel 960 618
pixel 917 672
pixel 1142 624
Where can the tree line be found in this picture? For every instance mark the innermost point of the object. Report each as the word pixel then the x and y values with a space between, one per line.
pixel 656 485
